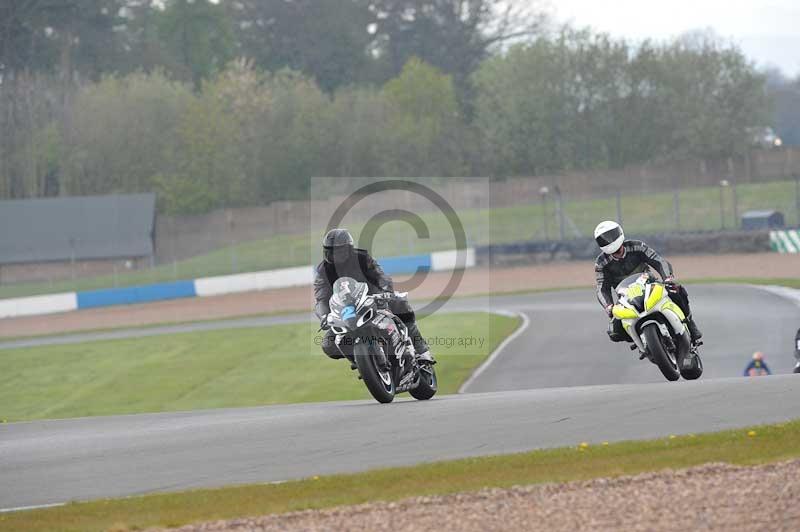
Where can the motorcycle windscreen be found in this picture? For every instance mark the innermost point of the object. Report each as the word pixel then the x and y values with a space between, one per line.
pixel 627 282
pixel 347 292
pixel 632 288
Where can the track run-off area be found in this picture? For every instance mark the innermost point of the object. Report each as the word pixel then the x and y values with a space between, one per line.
pixel 556 382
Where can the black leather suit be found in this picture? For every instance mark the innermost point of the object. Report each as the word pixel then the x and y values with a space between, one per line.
pixel 361 267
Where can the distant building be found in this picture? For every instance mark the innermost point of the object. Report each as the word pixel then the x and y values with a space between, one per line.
pixel 56 238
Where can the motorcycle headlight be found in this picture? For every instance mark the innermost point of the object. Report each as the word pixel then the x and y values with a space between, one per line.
pixel 338 330
pixel 368 315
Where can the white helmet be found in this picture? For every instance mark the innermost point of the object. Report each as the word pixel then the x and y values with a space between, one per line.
pixel 609 236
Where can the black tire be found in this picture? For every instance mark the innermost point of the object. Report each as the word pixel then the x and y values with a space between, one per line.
pixel 668 367
pixel 797 368
pixel 695 371
pixel 428 384
pixel 381 390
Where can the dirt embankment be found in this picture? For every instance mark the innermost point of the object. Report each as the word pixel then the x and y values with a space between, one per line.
pixel 709 497
pixel 476 281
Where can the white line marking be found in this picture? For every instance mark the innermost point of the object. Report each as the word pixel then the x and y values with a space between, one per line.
pixel 475 374
pixel 792 294
pixel 34 507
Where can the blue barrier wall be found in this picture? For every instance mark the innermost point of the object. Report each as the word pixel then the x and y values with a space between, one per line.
pixel 182 289
pixel 135 294
pixel 408 264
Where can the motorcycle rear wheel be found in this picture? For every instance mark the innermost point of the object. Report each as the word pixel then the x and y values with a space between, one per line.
pixel 379 383
pixel 668 366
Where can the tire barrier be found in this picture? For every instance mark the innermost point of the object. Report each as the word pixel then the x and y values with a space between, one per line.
pixel 705 243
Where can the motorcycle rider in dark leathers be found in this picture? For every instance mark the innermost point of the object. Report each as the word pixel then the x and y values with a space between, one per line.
pixel 342 259
pixel 621 258
pixel 797 351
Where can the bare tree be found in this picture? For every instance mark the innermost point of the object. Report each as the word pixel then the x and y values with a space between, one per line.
pixel 453 35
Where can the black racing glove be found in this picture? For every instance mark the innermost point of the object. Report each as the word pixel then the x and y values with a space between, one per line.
pixel 671 286
pixel 323 323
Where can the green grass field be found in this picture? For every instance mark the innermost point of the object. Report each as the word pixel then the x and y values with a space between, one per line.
pixel 642 215
pixel 790 283
pixel 228 368
pixel 762 445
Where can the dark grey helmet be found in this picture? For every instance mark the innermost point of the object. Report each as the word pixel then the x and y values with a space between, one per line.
pixel 337 246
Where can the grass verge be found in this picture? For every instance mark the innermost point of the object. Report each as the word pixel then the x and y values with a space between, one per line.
pixel 214 369
pixel 643 214
pixel 744 447
pixel 790 283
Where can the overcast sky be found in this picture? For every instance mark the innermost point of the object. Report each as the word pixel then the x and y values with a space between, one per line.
pixel 767 31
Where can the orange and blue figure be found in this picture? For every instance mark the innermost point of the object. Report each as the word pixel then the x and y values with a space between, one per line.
pixel 757 366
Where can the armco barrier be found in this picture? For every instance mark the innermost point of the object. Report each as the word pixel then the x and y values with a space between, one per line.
pixel 717 242
pixel 785 241
pixel 448 260
pixel 135 294
pixel 35 305
pixel 408 264
pixel 211 286
pixel 248 282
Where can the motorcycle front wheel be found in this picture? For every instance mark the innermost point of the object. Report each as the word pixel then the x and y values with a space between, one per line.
pixel 428 385
pixel 379 382
pixel 666 363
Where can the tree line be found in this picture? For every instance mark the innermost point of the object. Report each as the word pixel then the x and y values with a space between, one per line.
pixel 784 95
pixel 241 102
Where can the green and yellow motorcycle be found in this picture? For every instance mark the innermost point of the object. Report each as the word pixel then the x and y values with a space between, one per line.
pixel 656 325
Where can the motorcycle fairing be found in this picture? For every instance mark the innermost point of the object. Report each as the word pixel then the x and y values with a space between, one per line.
pixel 652 299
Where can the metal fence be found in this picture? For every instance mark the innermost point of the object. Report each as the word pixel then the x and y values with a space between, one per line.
pixel 681 210
pixel 254 239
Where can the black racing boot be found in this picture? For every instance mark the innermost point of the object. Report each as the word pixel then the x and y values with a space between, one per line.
pixel 616 333
pixel 420 345
pixel 426 358
pixel 616 337
pixel 695 333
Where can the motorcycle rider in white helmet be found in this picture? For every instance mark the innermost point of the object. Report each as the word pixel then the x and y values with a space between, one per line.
pixel 621 258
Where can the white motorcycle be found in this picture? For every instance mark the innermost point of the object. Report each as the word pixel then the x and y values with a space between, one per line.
pixel 382 350
pixel 656 325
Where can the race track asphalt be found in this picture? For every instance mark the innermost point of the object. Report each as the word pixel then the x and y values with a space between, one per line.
pixel 566 342
pixel 559 382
